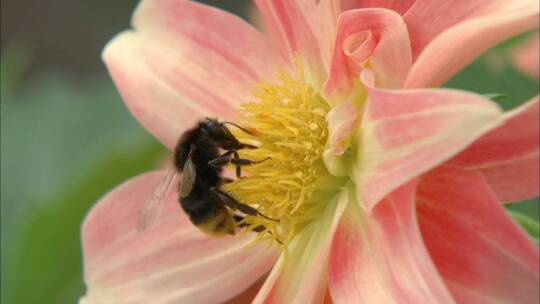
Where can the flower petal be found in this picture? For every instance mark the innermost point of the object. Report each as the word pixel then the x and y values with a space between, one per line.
pixel 380 258
pixel 525 56
pixel 482 254
pixel 444 45
pixel 377 37
pixel 249 294
pixel 186 60
pixel 507 157
pixel 399 6
pixel 172 261
pixel 406 133
pixel 341 121
pixel 300 276
pixel 296 27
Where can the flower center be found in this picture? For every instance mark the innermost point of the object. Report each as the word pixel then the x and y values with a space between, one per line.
pixel 288 122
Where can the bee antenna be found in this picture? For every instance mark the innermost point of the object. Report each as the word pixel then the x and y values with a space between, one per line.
pixel 239 127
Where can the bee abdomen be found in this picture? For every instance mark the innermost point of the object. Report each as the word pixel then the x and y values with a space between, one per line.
pixel 220 224
pixel 208 216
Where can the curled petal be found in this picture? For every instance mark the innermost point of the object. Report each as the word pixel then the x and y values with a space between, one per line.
pixel 483 256
pixel 406 133
pixel 185 60
pixel 381 258
pixel 507 157
pixel 171 262
pixel 300 277
pixel 443 52
pixel 376 37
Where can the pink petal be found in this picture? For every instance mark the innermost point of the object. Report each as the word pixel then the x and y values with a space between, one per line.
pixel 172 261
pixel 249 294
pixel 525 56
pixel 507 157
pixel 444 45
pixel 296 28
pixel 185 61
pixel 427 19
pixel 341 121
pixel 381 258
pixel 399 6
pixel 377 37
pixel 300 277
pixel 406 133
pixel 482 254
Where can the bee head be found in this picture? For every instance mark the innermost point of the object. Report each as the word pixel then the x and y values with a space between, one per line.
pixel 218 132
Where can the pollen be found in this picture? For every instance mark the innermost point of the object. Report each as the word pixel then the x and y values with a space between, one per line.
pixel 287 120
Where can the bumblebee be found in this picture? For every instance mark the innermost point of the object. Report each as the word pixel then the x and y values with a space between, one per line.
pixel 197 156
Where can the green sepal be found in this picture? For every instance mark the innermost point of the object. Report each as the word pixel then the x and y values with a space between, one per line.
pixel 530 225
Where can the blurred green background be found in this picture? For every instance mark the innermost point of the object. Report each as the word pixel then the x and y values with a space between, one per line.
pixel 66 138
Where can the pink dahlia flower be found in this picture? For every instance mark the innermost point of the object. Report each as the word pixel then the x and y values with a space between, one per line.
pixel 387 191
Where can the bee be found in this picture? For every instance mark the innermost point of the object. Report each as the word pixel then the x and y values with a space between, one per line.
pixel 197 156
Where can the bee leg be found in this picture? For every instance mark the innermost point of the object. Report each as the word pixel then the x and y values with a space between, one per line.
pixel 247 162
pixel 260 228
pixel 226 159
pixel 238 168
pixel 241 146
pixel 232 203
pixel 239 218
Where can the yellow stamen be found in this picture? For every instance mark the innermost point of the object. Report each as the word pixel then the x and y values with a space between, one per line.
pixel 288 121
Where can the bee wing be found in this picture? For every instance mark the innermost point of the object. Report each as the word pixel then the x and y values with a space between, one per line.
pixel 188 177
pixel 150 210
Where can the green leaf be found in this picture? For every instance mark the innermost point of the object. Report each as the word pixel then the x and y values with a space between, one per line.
pixel 530 225
pixel 46 257
pixel 64 145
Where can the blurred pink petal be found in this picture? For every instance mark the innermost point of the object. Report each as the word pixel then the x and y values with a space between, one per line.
pixel 300 277
pixel 376 37
pixel 381 258
pixel 507 157
pixel 526 56
pixel 428 19
pixel 407 132
pixel 441 56
pixel 172 261
pixel 184 61
pixel 483 256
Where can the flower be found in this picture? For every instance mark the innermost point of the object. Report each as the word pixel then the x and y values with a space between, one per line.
pixel 387 192
pixel 525 56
